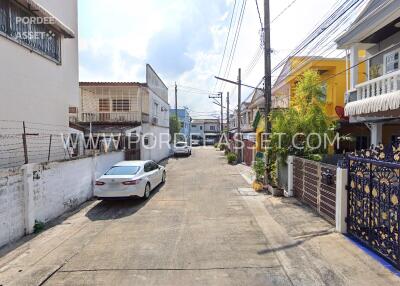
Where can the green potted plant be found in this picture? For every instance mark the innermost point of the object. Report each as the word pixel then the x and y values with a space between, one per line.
pixel 232 158
pixel 259 170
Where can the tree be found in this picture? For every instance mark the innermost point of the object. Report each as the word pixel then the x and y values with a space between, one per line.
pixel 174 126
pixel 306 115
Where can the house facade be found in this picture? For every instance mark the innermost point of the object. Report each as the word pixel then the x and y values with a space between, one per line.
pixel 40 68
pixel 39 84
pixel 136 110
pixel 185 121
pixel 204 129
pixel 375 100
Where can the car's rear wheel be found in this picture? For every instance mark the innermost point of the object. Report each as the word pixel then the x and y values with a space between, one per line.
pixel 146 192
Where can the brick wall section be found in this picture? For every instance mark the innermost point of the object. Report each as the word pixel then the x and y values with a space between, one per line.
pixel 248 152
pixel 298 177
pixel 328 194
pixel 310 188
pixel 12 203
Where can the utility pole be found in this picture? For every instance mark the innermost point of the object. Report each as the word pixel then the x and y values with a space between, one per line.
pixel 222 114
pixel 239 85
pixel 239 112
pixel 219 96
pixel 227 114
pixel 267 77
pixel 176 100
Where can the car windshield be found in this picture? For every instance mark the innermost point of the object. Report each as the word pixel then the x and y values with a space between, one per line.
pixel 180 144
pixel 123 170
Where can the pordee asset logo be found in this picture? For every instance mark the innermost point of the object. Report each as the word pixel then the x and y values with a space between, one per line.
pixel 35 35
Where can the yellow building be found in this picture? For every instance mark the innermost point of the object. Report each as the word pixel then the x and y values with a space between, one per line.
pixel 333 75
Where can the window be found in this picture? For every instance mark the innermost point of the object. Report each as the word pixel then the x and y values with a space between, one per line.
pixel 104 105
pixel 146 141
pixel 182 124
pixel 38 37
pixel 324 92
pixel 154 165
pixel 194 126
pixel 212 128
pixel 147 167
pixel 155 109
pixel 123 170
pixel 201 127
pixel 391 62
pixel 120 105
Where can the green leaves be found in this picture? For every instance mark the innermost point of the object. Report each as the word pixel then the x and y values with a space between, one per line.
pixel 305 117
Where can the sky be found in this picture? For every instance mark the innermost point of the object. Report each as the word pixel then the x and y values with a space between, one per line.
pixel 184 42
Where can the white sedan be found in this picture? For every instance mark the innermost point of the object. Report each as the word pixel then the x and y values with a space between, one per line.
pixel 182 148
pixel 130 178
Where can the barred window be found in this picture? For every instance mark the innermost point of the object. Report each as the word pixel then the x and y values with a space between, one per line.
pixel 104 105
pixel 16 23
pixel 121 105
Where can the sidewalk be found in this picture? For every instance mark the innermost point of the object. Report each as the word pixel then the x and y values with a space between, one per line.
pixel 307 246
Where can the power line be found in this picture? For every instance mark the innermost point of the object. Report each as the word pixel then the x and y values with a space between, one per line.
pixel 226 44
pixel 283 11
pixel 235 41
pixel 259 15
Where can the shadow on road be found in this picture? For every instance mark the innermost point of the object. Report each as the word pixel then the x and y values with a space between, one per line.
pixel 303 238
pixel 118 208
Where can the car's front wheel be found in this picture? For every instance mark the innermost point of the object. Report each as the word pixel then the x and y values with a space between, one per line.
pixel 146 192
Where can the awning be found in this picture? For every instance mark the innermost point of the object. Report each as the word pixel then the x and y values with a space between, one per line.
pixel 376 104
pixel 43 12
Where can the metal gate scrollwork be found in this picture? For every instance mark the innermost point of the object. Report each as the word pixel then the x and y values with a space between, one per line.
pixel 373 200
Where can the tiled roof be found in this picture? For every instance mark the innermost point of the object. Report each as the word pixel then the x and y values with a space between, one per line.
pixel 115 83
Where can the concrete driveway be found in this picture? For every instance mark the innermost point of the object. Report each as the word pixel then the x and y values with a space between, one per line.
pixel 203 227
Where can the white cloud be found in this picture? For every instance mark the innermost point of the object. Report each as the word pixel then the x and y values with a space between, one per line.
pixel 118 37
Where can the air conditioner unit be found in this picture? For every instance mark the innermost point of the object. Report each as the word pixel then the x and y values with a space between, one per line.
pixel 154 120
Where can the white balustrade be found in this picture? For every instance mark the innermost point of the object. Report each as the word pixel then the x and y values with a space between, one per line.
pixel 382 85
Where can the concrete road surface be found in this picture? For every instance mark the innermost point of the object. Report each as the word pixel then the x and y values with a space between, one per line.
pixel 203 227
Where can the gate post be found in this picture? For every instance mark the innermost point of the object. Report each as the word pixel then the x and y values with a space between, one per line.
pixel 341 199
pixel 289 191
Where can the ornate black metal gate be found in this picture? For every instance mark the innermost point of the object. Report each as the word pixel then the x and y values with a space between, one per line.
pixel 373 202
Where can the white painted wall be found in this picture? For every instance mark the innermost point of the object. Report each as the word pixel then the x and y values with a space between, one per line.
pixel 11 205
pixel 43 192
pixel 36 89
pixel 157 150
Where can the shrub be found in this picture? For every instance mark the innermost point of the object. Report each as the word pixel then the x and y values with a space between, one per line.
pixel 259 169
pixel 38 227
pixel 227 152
pixel 223 147
pixel 216 145
pixel 232 158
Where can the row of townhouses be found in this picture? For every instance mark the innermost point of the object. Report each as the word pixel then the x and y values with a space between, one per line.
pixel 362 90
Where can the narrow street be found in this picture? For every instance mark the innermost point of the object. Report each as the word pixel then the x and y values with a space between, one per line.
pixel 203 227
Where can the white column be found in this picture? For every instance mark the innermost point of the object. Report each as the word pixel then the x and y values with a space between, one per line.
pixel 29 206
pixel 341 200
pixel 376 133
pixel 354 67
pixel 289 191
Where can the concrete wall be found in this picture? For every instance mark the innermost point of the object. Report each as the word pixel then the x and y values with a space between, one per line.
pixel 42 192
pixel 156 150
pixel 12 203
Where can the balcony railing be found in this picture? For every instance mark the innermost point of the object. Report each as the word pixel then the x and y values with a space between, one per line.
pixel 110 117
pixel 382 85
